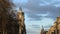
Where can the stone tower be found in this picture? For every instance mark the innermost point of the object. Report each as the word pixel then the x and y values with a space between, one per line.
pixel 42 30
pixel 20 17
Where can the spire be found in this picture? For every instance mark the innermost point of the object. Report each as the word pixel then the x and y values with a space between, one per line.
pixel 42 27
pixel 20 8
pixel 42 30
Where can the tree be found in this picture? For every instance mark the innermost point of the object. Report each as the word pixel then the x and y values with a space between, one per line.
pixel 4 6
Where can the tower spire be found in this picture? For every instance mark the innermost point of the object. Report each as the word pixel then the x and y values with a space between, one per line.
pixel 42 30
pixel 20 8
pixel 42 27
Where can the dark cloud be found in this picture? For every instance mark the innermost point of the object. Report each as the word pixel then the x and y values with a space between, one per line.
pixel 34 7
pixel 37 9
pixel 34 17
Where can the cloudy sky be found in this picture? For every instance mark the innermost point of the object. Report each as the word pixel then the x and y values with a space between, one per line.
pixel 38 13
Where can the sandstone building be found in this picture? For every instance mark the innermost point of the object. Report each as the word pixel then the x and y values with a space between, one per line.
pixel 10 25
pixel 20 17
pixel 55 29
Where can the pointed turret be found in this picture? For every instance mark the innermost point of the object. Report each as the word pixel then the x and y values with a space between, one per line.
pixel 20 8
pixel 42 30
pixel 21 11
pixel 42 27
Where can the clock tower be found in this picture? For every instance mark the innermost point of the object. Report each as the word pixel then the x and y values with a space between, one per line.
pixel 20 18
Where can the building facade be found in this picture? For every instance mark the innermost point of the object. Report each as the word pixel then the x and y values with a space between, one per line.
pixel 10 25
pixel 55 29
